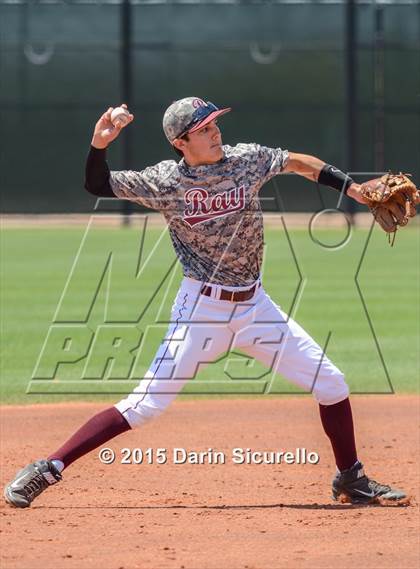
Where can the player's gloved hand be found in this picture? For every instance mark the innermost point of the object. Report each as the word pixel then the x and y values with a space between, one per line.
pixel 105 132
pixel 355 191
pixel 392 200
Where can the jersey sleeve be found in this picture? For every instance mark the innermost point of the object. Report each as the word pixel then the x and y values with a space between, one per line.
pixel 271 161
pixel 140 187
pixel 264 161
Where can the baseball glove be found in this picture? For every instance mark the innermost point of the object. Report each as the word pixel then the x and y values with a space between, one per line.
pixel 392 200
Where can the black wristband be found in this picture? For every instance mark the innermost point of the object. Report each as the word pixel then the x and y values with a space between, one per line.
pixel 335 178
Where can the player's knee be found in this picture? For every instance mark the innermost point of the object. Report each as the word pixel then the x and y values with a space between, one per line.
pixel 137 414
pixel 331 390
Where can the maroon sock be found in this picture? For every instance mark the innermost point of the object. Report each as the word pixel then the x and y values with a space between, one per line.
pixel 337 421
pixel 100 428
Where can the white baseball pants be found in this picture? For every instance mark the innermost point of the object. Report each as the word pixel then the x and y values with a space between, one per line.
pixel 203 328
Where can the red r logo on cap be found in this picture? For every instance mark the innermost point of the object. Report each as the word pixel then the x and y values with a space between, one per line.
pixel 198 103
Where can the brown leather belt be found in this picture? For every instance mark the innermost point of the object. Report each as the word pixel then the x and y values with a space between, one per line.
pixel 231 295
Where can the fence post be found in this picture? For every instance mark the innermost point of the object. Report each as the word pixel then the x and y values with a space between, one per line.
pixel 126 92
pixel 351 94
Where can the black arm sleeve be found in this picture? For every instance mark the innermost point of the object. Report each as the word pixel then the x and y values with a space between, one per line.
pixel 97 174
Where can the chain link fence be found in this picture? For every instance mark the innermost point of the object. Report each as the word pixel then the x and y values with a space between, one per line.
pixel 282 66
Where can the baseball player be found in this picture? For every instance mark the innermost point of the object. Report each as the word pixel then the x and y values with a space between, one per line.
pixel 210 200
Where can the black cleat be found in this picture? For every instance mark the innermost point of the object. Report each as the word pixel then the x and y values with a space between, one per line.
pixel 30 482
pixel 354 486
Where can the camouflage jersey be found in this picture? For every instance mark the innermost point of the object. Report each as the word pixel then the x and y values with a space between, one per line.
pixel 213 211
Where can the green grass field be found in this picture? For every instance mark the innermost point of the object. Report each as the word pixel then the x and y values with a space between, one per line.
pixel 36 264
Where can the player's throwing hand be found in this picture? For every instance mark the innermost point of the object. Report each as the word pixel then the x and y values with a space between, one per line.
pixel 105 131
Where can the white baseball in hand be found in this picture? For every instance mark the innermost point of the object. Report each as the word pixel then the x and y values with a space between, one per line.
pixel 120 116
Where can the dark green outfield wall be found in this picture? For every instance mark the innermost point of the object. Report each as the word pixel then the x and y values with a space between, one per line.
pixel 281 67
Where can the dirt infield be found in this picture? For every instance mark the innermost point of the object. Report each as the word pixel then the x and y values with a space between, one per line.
pixel 213 515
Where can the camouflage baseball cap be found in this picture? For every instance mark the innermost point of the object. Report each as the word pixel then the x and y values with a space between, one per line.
pixel 189 115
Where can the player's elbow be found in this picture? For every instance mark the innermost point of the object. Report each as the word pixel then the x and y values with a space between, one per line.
pixel 292 165
pixel 102 190
pixel 304 165
pixel 297 163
